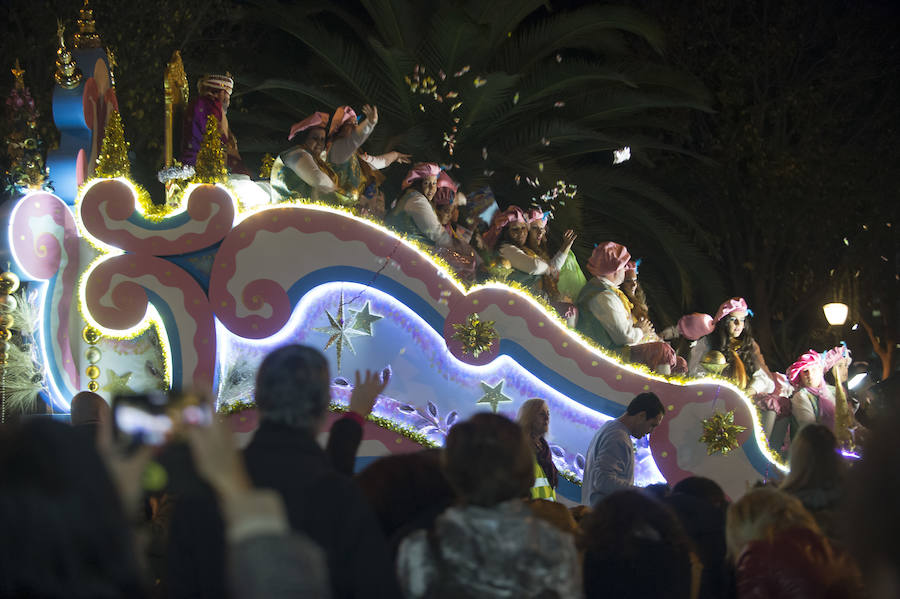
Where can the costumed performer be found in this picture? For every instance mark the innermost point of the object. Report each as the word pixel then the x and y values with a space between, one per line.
pixel 413 213
pixel 358 179
pixel 300 172
pixel 812 401
pixel 641 311
pixel 604 313
pixel 733 337
pixel 534 418
pixel 509 230
pixel 214 96
pixel 459 253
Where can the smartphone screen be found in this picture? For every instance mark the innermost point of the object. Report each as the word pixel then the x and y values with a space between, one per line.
pixel 156 418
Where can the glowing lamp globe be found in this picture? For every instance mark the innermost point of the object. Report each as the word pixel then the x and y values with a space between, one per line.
pixel 714 362
pixel 836 313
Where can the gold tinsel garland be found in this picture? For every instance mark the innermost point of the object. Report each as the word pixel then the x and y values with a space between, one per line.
pixel 720 433
pixel 113 159
pixel 210 166
pixel 265 169
pixel 476 335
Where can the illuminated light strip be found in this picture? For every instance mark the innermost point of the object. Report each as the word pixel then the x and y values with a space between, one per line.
pixel 151 318
pixel 56 395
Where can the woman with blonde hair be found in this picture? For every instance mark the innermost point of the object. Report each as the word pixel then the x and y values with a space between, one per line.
pixel 779 551
pixel 534 418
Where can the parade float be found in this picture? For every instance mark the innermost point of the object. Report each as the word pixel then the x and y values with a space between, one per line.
pixel 126 296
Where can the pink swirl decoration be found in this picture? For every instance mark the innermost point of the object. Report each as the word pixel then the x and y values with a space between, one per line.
pixel 40 254
pixel 261 292
pixel 116 297
pixel 107 206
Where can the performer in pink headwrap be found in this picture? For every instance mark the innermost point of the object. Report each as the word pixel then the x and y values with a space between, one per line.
pixel 604 312
pixel 510 228
pixel 813 401
pixel 358 177
pixel 413 213
pixel 214 96
pixel 733 337
pixel 301 173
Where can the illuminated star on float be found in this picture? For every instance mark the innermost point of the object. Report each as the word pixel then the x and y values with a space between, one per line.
pixel 493 395
pixel 117 385
pixel 363 320
pixel 340 330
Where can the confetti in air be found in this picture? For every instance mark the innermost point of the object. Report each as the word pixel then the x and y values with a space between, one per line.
pixel 620 156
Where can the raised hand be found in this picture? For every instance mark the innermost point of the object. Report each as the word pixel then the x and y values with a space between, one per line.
pixel 367 390
pixel 400 157
pixel 569 238
pixel 371 113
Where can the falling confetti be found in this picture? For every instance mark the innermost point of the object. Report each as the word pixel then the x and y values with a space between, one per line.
pixel 559 58
pixel 846 242
pixel 517 179
pixel 489 173
pixel 559 104
pixel 484 153
pixel 540 167
pixel 479 81
pixel 516 98
pixel 462 71
pixel 455 107
pixel 451 94
pixel 442 75
pixel 620 156
pixel 545 141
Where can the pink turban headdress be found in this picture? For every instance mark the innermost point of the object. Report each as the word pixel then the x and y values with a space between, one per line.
pixel 536 215
pixel 444 180
pixel 341 116
pixel 804 362
pixel 501 220
pixel 420 170
pixel 735 304
pixel 833 356
pixel 696 325
pixel 607 258
pixel 316 119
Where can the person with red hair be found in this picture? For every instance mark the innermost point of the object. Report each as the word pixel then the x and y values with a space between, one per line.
pixel 604 312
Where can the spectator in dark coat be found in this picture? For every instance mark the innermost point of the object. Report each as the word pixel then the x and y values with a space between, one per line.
pixel 292 395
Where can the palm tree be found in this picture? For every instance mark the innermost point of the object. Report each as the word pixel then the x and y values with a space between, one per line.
pixel 507 96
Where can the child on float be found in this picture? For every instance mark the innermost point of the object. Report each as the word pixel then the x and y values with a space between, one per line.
pixel 301 172
pixel 358 176
pixel 604 312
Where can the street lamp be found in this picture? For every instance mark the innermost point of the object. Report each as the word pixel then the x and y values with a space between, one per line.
pixel 835 313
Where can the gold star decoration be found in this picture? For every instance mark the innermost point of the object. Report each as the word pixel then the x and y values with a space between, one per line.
pixel 340 330
pixel 363 320
pixel 720 433
pixel 476 335
pixel 117 385
pixel 493 395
